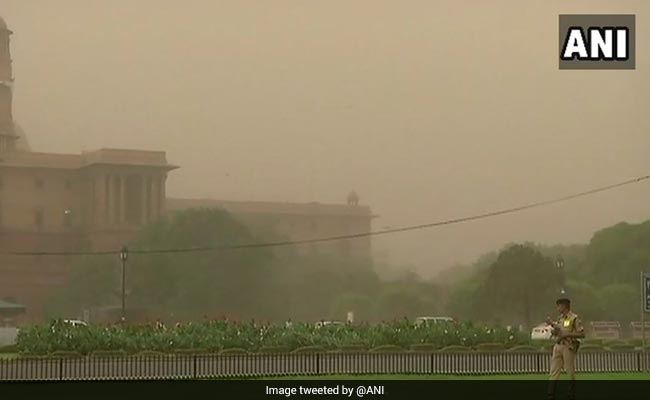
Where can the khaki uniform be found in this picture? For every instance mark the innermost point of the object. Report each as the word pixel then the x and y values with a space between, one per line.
pixel 566 349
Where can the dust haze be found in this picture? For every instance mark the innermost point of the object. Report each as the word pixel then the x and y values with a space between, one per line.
pixel 429 110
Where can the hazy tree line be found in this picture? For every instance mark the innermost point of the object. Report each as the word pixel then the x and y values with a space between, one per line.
pixel 516 285
pixel 519 283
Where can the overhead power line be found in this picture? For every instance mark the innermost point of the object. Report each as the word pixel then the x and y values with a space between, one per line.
pixel 350 236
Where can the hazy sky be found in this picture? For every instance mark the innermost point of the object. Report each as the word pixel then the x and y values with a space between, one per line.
pixel 428 109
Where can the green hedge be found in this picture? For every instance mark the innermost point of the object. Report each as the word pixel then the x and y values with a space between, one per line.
pixel 218 334
pixel 150 354
pixel 65 354
pixel 309 349
pixel 424 348
pixel 613 342
pixel 233 351
pixel 353 348
pixel 490 347
pixel 523 349
pixel 455 349
pixel 388 348
pixel 190 351
pixel 621 347
pixel 591 348
pixel 108 353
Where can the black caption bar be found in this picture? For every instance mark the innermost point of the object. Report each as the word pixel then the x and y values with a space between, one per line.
pixel 317 389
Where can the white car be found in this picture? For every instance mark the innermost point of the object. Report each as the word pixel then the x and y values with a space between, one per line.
pixel 433 320
pixel 541 332
pixel 320 324
pixel 75 322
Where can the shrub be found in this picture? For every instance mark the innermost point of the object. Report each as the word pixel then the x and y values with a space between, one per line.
pixel 490 347
pixel 388 348
pixel 149 353
pixel 190 351
pixel 353 348
pixel 272 349
pixel 591 348
pixel 108 353
pixel 523 349
pixel 613 342
pixel 309 349
pixel 455 349
pixel 424 348
pixel 65 354
pixel 621 347
pixel 233 351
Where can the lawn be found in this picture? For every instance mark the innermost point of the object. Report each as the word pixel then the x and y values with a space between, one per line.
pixel 5 356
pixel 601 376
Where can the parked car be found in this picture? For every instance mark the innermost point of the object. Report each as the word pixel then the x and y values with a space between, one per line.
pixel 542 332
pixel 433 320
pixel 75 322
pixel 320 324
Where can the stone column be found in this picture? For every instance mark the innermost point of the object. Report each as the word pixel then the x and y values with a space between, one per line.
pixel 162 195
pixel 123 204
pixel 144 201
pixel 99 197
pixel 109 210
pixel 154 202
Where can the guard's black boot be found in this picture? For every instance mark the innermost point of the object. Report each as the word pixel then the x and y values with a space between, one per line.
pixel 572 389
pixel 552 384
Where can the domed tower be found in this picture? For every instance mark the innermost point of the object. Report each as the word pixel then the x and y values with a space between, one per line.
pixel 7 132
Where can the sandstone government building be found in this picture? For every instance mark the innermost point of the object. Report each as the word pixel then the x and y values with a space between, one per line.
pixel 98 200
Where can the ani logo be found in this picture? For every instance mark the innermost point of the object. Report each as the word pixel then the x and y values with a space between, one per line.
pixel 597 42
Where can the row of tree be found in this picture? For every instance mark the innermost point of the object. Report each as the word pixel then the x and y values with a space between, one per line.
pixel 520 283
pixel 517 285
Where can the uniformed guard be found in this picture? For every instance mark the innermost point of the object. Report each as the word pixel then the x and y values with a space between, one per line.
pixel 567 331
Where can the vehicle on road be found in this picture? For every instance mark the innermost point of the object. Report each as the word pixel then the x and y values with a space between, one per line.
pixel 75 322
pixel 321 324
pixel 541 332
pixel 433 320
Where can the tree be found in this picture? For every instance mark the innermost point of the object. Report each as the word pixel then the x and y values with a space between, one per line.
pixel 620 302
pixel 618 253
pixel 585 299
pixel 520 285
pixel 188 284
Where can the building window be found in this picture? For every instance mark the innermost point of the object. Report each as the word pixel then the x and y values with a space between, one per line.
pixel 38 218
pixel 38 183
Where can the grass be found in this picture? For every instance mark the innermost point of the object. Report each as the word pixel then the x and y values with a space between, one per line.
pixel 6 356
pixel 601 376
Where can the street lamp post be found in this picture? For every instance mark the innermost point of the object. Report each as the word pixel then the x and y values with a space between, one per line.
pixel 124 255
pixel 559 263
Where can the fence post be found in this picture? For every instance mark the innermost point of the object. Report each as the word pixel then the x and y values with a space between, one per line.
pixel 194 365
pixel 317 363
pixel 61 368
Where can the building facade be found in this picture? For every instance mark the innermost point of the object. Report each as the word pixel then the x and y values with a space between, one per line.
pixel 49 202
pixel 99 200
pixel 299 221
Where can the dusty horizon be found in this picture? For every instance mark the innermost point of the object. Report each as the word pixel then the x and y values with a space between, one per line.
pixel 429 112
